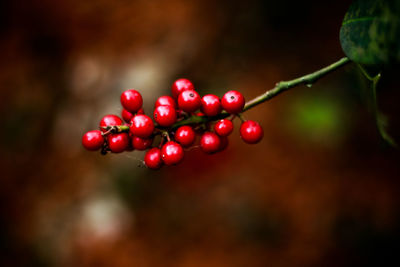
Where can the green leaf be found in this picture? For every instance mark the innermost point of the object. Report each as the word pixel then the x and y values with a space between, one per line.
pixel 370 32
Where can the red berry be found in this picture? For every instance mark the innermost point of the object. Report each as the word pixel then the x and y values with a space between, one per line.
pixel 185 135
pixel 131 100
pixel 165 100
pixel 210 142
pixel 223 127
pixel 152 158
pixel 189 101
pixel 210 105
pixel 141 143
pixel 142 126
pixel 93 140
pixel 200 114
pixel 126 115
pixel 181 85
pixel 251 132
pixel 110 120
pixel 233 102
pixel 165 115
pixel 140 111
pixel 118 142
pixel 172 153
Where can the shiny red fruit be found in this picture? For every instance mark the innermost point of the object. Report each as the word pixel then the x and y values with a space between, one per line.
pixel 142 126
pixel 251 132
pixel 140 111
pixel 141 143
pixel 152 159
pixel 165 100
pixel 131 100
pixel 223 127
pixel 172 153
pixel 185 135
pixel 118 142
pixel 126 115
pixel 210 142
pixel 93 140
pixel 211 105
pixel 110 120
pixel 181 85
pixel 165 115
pixel 189 101
pixel 233 102
pixel 200 114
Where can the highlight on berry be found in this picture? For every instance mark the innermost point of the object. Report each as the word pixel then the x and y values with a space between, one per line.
pixel 174 125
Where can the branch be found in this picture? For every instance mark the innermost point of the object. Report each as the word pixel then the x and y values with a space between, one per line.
pixel 307 80
pixel 280 87
pixel 380 119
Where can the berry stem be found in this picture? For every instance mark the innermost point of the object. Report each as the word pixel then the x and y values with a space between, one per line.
pixel 115 129
pixel 166 135
pixel 240 116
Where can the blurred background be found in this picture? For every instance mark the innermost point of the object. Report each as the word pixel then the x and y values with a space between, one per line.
pixel 321 189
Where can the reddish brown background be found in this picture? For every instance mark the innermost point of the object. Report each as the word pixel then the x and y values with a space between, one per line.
pixel 321 189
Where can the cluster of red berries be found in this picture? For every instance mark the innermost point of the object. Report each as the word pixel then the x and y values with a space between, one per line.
pixel 177 121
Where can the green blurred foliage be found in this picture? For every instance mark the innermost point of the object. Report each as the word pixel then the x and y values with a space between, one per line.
pixel 319 118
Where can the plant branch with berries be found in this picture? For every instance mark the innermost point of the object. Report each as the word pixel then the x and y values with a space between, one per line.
pixel 279 88
pixel 182 116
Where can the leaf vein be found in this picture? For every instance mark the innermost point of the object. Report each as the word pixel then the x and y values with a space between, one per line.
pixel 357 19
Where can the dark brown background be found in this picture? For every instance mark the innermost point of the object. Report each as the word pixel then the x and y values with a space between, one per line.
pixel 321 189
